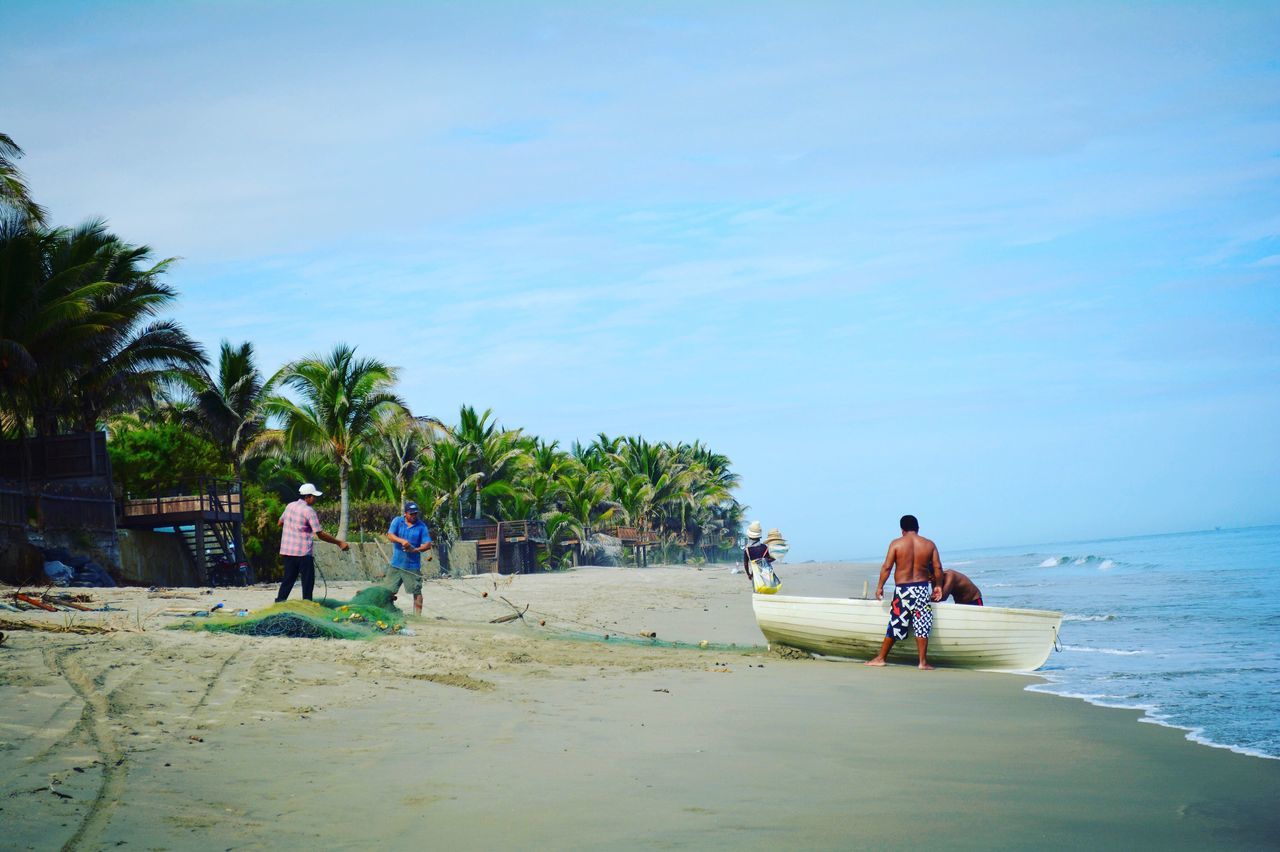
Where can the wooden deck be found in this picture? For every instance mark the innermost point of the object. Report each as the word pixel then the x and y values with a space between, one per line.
pixel 203 500
pixel 633 537
pixel 182 508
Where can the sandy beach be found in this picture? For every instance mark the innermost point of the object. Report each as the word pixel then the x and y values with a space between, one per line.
pixel 473 735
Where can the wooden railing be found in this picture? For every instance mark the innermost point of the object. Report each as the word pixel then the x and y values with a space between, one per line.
pixel 504 531
pixel 213 497
pixel 632 537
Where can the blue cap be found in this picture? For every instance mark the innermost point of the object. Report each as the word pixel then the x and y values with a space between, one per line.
pixel 411 507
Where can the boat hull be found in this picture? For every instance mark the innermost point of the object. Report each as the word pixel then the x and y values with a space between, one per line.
pixel 981 637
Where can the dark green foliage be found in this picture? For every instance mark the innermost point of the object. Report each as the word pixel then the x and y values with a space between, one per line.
pixel 262 508
pixel 370 516
pixel 156 457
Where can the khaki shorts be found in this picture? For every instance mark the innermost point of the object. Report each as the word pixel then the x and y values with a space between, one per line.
pixel 412 580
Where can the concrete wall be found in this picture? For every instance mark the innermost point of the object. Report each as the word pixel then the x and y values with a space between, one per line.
pixel 361 562
pixel 462 558
pixel 156 559
pixel 365 561
pixel 102 545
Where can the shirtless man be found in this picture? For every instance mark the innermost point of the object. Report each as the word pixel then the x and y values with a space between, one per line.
pixel 917 579
pixel 960 588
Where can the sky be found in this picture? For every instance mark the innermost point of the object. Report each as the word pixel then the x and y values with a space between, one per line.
pixel 1013 268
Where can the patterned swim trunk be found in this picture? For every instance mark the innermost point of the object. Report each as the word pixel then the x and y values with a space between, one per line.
pixel 910 607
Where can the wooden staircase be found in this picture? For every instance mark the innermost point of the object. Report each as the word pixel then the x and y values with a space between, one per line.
pixel 206 514
pixel 519 537
pixel 487 553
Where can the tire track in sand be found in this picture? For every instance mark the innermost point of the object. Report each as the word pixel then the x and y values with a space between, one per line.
pixel 97 723
pixel 214 681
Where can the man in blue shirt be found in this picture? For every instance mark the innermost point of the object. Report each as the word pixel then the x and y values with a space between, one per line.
pixel 411 538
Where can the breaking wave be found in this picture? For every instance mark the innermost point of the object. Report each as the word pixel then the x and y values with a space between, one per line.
pixel 1103 563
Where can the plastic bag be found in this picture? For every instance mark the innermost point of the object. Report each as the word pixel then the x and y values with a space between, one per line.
pixel 766 580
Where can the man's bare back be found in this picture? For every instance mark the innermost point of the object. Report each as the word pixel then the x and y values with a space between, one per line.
pixel 960 588
pixel 913 559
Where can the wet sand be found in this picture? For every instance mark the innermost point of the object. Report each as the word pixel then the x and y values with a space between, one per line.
pixel 474 735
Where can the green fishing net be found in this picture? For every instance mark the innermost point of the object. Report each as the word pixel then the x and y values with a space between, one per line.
pixel 370 613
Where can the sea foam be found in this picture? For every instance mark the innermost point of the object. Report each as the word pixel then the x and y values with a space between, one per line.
pixel 1115 651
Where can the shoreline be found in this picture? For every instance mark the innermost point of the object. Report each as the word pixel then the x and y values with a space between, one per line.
pixel 1192 735
pixel 474 734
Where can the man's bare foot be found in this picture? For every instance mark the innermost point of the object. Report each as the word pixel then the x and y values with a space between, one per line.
pixel 877 662
pixel 925 667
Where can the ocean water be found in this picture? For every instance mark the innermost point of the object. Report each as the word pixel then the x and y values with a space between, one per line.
pixel 1185 627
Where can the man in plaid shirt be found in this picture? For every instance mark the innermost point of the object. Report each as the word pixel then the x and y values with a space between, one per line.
pixel 299 527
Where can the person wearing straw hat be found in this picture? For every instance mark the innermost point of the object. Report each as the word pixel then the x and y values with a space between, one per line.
pixel 412 538
pixel 757 562
pixel 299 527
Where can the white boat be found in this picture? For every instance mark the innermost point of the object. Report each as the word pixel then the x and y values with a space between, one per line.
pixel 981 637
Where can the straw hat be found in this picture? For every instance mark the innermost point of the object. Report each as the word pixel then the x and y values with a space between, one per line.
pixel 773 536
pixel 754 530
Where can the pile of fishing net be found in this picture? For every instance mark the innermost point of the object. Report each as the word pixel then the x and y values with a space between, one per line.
pixel 370 613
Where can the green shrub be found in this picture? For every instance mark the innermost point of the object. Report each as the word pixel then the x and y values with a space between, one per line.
pixel 370 516
pixel 262 510
pixel 161 456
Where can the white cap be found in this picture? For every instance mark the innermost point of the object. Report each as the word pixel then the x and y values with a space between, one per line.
pixel 307 489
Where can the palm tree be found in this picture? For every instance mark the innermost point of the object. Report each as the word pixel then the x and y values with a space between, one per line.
pixel 648 480
pixel 494 453
pixel 75 341
pixel 598 455
pixel 585 501
pixel 228 407
pixel 445 476
pixel 709 489
pixel 121 367
pixel 341 398
pixel 397 452
pixel 13 190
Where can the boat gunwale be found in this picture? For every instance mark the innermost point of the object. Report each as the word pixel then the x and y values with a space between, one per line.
pixel 1034 613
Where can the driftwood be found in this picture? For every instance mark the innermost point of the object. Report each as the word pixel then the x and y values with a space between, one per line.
pixel 36 602
pixel 72 604
pixel 517 612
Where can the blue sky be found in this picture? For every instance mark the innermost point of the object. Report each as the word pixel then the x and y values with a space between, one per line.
pixel 1013 268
